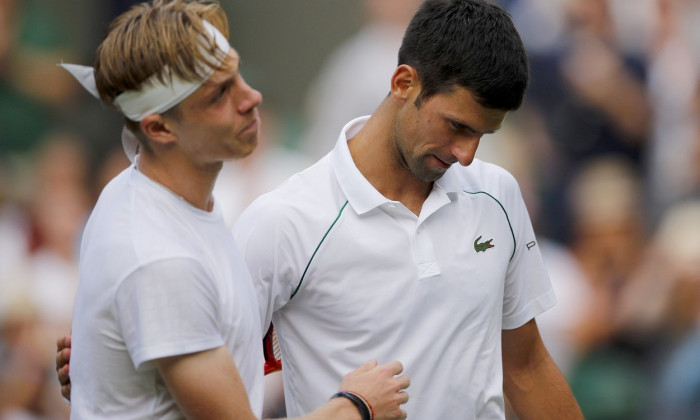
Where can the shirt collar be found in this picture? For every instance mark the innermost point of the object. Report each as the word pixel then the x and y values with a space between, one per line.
pixel 361 195
pixel 450 181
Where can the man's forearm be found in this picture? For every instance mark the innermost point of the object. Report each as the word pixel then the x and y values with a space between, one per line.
pixel 541 394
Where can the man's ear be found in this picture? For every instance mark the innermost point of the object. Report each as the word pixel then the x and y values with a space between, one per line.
pixel 404 82
pixel 157 129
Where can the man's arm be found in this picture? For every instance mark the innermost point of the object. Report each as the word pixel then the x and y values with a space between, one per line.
pixel 207 385
pixel 532 382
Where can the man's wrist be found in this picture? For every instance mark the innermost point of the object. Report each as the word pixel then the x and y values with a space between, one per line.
pixel 362 405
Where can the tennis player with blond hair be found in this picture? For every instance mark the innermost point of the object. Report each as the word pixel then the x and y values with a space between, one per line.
pixel 166 323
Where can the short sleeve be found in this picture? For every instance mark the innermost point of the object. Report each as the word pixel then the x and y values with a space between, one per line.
pixel 528 290
pixel 168 308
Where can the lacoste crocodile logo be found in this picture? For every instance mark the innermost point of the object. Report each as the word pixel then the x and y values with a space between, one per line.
pixel 483 246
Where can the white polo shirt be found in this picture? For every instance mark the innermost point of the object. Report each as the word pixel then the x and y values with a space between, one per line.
pixel 347 275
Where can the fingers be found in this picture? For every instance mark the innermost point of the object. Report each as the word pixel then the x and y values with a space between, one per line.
pixel 403 397
pixel 62 358
pixel 365 368
pixel 64 375
pixel 382 386
pixel 369 365
pixel 395 366
pixel 64 380
pixel 63 342
pixel 63 370
pixel 65 391
pixel 404 382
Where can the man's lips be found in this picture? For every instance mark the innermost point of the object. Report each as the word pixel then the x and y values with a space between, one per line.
pixel 252 126
pixel 441 163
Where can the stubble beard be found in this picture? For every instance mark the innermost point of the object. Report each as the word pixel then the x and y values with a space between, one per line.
pixel 421 170
pixel 418 167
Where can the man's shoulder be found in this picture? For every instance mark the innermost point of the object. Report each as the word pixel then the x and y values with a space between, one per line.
pixel 134 218
pixel 485 176
pixel 312 189
pixel 305 199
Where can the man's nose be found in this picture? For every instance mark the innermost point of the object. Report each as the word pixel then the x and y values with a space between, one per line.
pixel 251 98
pixel 464 149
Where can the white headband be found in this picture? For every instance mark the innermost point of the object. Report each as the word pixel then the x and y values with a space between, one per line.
pixel 153 96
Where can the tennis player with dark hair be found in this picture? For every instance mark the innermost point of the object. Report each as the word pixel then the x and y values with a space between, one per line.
pixel 166 323
pixel 385 247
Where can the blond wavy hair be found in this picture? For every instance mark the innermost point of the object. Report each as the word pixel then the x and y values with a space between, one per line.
pixel 148 37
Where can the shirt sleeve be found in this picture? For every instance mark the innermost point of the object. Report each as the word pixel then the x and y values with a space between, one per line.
pixel 168 308
pixel 528 290
pixel 264 238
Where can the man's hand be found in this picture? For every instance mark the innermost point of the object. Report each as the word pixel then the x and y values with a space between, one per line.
pixel 63 366
pixel 381 386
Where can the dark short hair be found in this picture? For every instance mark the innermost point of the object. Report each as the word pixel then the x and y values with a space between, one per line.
pixel 467 43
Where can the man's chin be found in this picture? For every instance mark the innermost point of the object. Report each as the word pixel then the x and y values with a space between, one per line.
pixel 430 175
pixel 245 148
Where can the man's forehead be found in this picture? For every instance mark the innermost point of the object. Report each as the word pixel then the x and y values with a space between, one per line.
pixel 463 105
pixel 229 66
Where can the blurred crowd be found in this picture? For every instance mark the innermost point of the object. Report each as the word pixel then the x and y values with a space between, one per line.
pixel 606 149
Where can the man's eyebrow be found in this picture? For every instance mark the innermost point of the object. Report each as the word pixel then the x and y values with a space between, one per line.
pixel 472 129
pixel 232 71
pixel 230 78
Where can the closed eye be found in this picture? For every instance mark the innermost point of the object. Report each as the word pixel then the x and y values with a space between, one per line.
pixel 222 91
pixel 458 125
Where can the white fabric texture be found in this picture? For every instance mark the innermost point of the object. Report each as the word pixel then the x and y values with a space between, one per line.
pixel 371 279
pixel 156 96
pixel 158 277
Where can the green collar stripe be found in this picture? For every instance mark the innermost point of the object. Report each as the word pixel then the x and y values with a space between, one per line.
pixel 316 250
pixel 504 212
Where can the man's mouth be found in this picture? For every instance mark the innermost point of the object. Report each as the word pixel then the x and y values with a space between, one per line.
pixel 441 163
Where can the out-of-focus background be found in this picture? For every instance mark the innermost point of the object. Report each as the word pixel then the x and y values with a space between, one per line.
pixel 606 149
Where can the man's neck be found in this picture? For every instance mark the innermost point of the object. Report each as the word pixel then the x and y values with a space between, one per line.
pixel 375 155
pixel 191 182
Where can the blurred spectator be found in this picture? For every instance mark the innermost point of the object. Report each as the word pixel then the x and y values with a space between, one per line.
pixel 673 87
pixel 28 389
pixel 611 380
pixel 37 294
pixel 678 393
pixel 588 87
pixel 113 162
pixel 661 303
pixel 356 75
pixel 33 90
pixel 14 236
pixel 24 373
pixel 661 306
pixel 59 207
